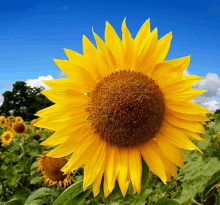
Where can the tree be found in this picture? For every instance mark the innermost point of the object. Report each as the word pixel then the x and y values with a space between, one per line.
pixel 24 101
pixel 217 111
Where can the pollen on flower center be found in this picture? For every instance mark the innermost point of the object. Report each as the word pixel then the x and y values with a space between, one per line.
pixel 126 108
pixel 52 167
pixel 19 127
pixel 7 137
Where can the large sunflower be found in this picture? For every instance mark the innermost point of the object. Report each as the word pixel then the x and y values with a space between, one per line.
pixel 120 102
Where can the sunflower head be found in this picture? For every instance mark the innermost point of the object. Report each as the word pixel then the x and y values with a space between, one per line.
pixel 7 137
pixel 18 119
pixel 19 128
pixel 36 136
pixel 50 170
pixel 34 121
pixel 2 120
pixel 11 118
pixel 123 103
pixel 127 108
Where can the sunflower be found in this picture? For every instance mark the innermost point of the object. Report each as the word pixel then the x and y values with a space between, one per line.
pixel 2 120
pixel 34 121
pixel 19 128
pixel 50 170
pixel 7 137
pixel 121 102
pixel 11 118
pixel 18 119
pixel 36 136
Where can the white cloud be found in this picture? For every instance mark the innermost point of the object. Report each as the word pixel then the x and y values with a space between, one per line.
pixel 63 75
pixel 185 72
pixel 1 100
pixel 7 86
pixel 211 83
pixel 38 82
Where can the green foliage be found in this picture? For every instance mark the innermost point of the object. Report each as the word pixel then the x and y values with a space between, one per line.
pixel 24 101
pixel 42 196
pixel 196 183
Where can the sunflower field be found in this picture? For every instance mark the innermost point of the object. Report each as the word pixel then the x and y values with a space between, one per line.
pixel 27 176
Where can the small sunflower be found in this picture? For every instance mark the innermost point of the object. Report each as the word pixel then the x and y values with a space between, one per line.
pixel 36 136
pixel 34 121
pixel 11 118
pixel 19 128
pixel 120 102
pixel 7 137
pixel 2 121
pixel 18 119
pixel 50 170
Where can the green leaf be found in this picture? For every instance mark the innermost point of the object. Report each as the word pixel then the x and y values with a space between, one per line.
pixel 42 196
pixel 3 175
pixel 36 180
pixel 166 201
pixel 20 197
pixel 71 193
pixel 80 198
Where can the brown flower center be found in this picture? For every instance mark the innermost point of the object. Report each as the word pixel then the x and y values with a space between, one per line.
pixel 7 137
pixel 36 137
pixel 52 167
pixel 19 127
pixel 126 108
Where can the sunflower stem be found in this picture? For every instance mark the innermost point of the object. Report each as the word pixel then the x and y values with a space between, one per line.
pixel 24 157
pixel 3 189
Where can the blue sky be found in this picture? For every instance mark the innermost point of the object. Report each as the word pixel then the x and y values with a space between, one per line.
pixel 32 33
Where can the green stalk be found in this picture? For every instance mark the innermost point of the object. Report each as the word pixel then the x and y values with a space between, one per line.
pixel 24 158
pixel 4 192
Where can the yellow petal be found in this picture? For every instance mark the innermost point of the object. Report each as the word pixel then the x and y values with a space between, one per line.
pixel 186 82
pixel 83 153
pixel 170 168
pixel 185 124
pixel 81 61
pixel 106 53
pixel 70 144
pixel 97 181
pixel 168 79
pixel 160 52
pixel 127 42
pixel 66 83
pixel 115 45
pixel 112 166
pixel 177 137
pixel 66 97
pixel 76 72
pixel 173 153
pixel 62 112
pixel 123 174
pixel 142 37
pixel 62 135
pixel 193 135
pixel 183 96
pixel 190 117
pixel 147 53
pixel 90 52
pixel 153 160
pixel 135 169
pixel 166 67
pixel 94 165
pixel 187 108
pixel 50 123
